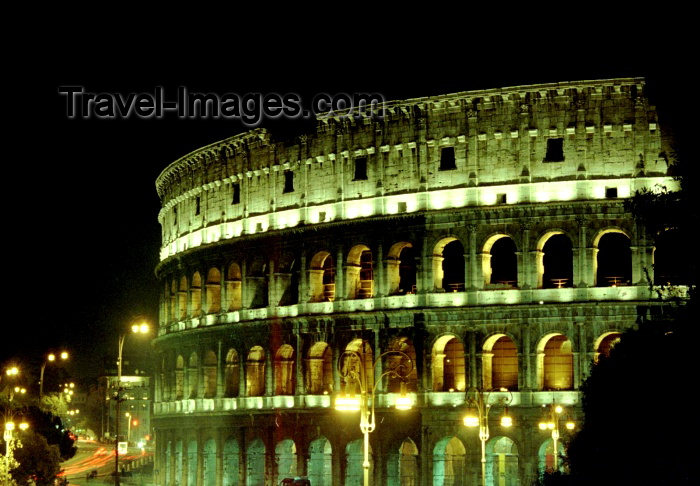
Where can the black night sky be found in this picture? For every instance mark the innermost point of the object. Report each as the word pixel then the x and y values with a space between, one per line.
pixel 80 194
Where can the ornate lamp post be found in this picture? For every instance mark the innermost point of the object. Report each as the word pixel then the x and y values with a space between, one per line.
pixel 141 328
pixel 9 437
pixel 478 416
pixel 50 358
pixel 354 372
pixel 551 421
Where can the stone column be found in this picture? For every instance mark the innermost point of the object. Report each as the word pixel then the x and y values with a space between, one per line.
pixel 379 369
pixel 241 374
pixel 580 258
pixel 303 280
pixel 299 372
pixel 380 276
pixel 220 370
pixel 269 385
pixel 339 275
pixel 472 360
pixel 525 279
pixel 471 268
pixel 525 379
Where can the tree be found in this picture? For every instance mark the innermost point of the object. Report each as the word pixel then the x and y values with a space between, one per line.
pixel 37 460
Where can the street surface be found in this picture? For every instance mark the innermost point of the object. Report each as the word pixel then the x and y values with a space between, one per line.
pixel 94 456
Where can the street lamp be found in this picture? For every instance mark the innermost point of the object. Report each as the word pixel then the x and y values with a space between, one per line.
pixel 551 421
pixel 350 402
pixel 8 435
pixel 136 328
pixel 50 358
pixel 478 416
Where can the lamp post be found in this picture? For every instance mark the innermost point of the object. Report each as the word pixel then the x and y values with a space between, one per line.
pixel 478 416
pixel 50 358
pixel 550 421
pixel 141 328
pixel 8 435
pixel 355 372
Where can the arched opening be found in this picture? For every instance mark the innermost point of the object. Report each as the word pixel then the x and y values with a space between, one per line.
pixel 360 362
pixel 209 463
pixel 408 464
pixel 555 261
pixel 354 455
pixel 671 263
pixel 231 374
pixel 286 460
pixel 233 287
pixel 255 463
pixel 448 265
pixel 319 369
pixel 255 372
pixel 213 291
pixel 179 378
pixel 449 462
pixel 360 273
pixel 320 468
pixel 545 456
pixel 209 365
pixel 614 260
pixel 192 375
pixel 174 310
pixel 257 284
pixel 196 294
pixel 179 460
pixel 605 343
pixel 404 345
pixel 182 298
pixel 230 462
pixel 192 463
pixel 284 370
pixel 401 269
pixel 556 363
pixel 448 364
pixel 500 363
pixel 287 280
pixel 322 278
pixel 502 462
pixel 500 262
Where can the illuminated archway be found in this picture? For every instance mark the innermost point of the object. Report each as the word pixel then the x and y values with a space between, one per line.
pixel 255 372
pixel 179 378
pixel 213 291
pixel 449 462
pixel 230 461
pixel 286 459
pixel 502 462
pixel 364 351
pixel 322 278
pixel 209 365
pixel 233 287
pixel 613 260
pixel 284 370
pixel 319 369
pixel 196 294
pixel 401 269
pixel 604 344
pixel 209 463
pixel 320 468
pixel 448 366
pixel 448 265
pixel 500 363
pixel 192 375
pixel 499 262
pixel 555 363
pixel 360 273
pixel 555 261
pixel 354 456
pixel 255 463
pixel 404 345
pixel 231 374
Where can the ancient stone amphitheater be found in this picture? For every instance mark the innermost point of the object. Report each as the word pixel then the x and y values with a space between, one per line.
pixel 482 233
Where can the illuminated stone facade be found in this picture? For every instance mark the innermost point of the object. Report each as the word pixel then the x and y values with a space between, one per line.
pixel 482 233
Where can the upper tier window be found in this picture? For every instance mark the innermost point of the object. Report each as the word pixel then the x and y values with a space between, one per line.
pixel 555 150
pixel 288 181
pixel 360 169
pixel 447 159
pixel 236 194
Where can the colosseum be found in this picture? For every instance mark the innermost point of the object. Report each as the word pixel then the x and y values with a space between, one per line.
pixel 481 234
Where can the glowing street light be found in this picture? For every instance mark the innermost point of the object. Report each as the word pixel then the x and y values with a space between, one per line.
pixel 136 328
pixel 8 435
pixel 50 358
pixel 355 373
pixel 478 416
pixel 551 421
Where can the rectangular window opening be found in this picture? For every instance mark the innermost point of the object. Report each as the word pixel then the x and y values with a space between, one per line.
pixel 447 159
pixel 611 192
pixel 175 216
pixel 198 206
pixel 360 169
pixel 236 194
pixel 502 198
pixel 555 150
pixel 288 181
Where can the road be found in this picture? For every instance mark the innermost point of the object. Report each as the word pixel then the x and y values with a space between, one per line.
pixel 93 456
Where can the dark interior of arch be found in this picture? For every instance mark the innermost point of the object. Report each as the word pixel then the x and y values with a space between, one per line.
pixel 671 262
pixel 558 262
pixel 453 266
pixel 504 263
pixel 407 270
pixel 614 260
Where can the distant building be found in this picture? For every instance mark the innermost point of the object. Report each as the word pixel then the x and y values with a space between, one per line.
pixel 137 402
pixel 482 233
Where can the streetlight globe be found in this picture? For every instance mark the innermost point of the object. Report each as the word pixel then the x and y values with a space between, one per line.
pixel 23 426
pixel 64 355
pixel 570 425
pixel 51 357
pixel 144 328
pixel 471 421
pixel 558 409
pixel 506 421
pixel 9 426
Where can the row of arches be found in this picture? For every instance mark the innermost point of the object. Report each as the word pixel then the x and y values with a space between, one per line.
pixel 223 290
pixel 402 463
pixel 245 375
